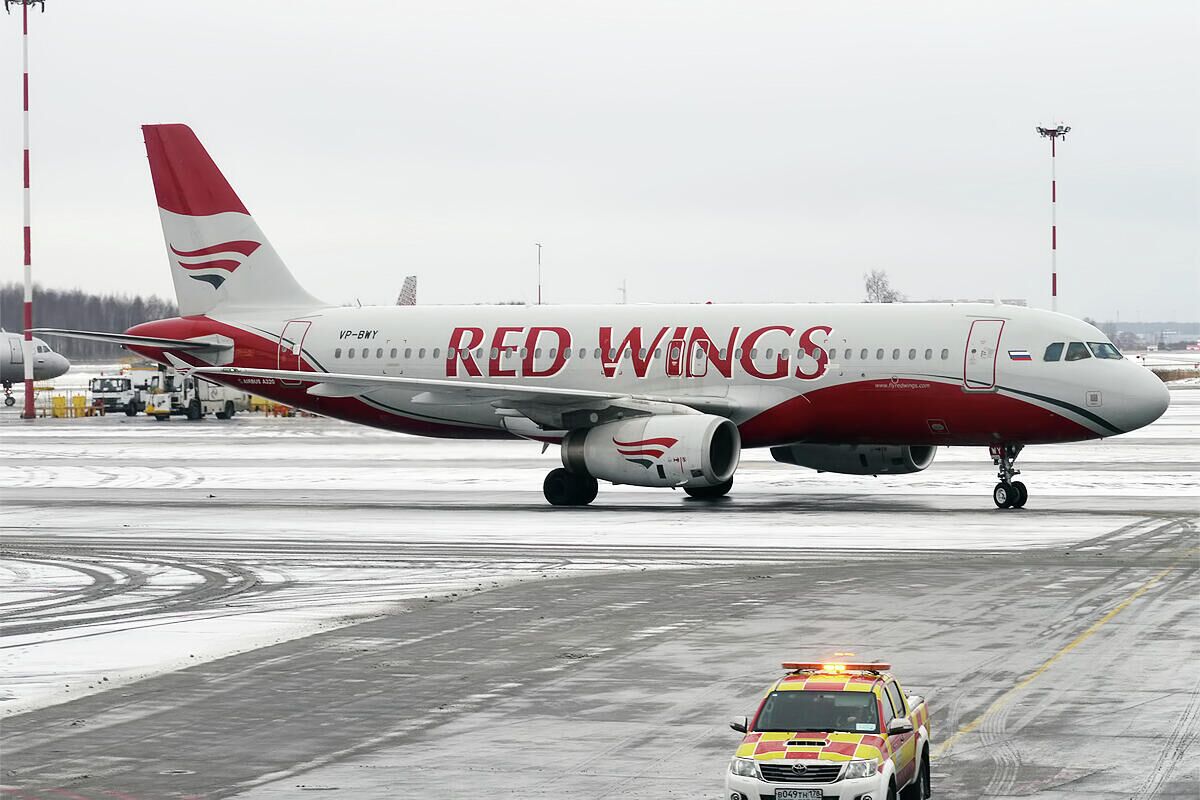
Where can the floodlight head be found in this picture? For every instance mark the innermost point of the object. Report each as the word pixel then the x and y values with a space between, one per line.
pixel 7 3
pixel 1054 133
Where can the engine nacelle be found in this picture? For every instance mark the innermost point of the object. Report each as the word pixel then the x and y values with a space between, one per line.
pixel 858 459
pixel 686 450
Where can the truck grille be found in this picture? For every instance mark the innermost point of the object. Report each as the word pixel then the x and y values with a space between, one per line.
pixel 811 773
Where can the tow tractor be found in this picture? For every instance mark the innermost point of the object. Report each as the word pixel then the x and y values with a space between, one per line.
pixel 833 731
pixel 116 394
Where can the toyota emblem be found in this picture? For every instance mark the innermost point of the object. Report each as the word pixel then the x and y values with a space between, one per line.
pixel 800 769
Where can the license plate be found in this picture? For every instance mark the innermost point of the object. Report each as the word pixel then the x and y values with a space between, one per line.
pixel 799 794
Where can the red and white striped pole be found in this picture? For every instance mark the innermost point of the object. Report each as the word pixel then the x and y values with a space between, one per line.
pixel 27 344
pixel 1054 134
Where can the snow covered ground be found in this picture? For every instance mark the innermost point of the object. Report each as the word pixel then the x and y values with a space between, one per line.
pixel 132 547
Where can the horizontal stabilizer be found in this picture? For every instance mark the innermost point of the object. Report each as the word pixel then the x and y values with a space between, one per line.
pixel 126 340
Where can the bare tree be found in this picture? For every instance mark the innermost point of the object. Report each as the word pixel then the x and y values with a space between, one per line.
pixel 879 288
pixel 73 308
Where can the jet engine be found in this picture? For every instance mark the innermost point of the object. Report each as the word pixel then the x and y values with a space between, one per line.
pixel 685 450
pixel 857 459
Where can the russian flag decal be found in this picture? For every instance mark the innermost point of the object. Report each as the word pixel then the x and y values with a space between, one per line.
pixel 1020 355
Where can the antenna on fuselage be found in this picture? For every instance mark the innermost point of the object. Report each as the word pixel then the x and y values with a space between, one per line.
pixel 538 245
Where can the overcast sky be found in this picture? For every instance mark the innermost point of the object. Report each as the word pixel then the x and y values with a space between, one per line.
pixel 733 151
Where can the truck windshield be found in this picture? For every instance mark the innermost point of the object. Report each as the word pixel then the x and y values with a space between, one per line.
pixel 789 711
pixel 109 384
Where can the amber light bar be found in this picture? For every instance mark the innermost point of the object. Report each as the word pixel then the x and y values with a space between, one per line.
pixel 822 666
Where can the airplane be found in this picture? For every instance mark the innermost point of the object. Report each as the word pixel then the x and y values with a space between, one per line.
pixel 47 364
pixel 644 395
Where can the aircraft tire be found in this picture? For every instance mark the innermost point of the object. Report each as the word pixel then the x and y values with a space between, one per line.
pixel 710 492
pixel 1022 495
pixel 1003 495
pixel 10 401
pixel 564 488
pixel 589 489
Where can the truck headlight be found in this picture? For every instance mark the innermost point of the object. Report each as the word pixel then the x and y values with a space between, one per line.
pixel 743 767
pixel 860 769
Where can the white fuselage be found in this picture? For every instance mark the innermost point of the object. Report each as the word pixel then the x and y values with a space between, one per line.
pixel 783 373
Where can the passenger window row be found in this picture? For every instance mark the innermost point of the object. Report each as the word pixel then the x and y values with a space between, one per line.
pixel 881 353
pixel 847 355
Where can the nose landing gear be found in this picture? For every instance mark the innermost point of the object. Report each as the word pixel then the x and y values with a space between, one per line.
pixel 9 400
pixel 1008 493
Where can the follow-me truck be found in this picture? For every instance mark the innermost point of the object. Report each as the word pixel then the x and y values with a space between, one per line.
pixel 833 732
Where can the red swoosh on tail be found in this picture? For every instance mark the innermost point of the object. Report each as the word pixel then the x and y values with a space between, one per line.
pixel 227 265
pixel 242 246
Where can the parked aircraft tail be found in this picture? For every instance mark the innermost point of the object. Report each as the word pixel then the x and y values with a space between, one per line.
pixel 408 292
pixel 219 257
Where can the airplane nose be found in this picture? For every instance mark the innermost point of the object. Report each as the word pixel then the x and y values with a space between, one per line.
pixel 61 365
pixel 1148 399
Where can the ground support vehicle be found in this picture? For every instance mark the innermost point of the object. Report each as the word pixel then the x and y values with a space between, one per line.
pixel 175 395
pixel 833 732
pixel 115 394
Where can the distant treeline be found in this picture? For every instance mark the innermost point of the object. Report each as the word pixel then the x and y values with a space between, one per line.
pixel 79 310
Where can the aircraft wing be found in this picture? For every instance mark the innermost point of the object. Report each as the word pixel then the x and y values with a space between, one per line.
pixel 541 403
pixel 125 339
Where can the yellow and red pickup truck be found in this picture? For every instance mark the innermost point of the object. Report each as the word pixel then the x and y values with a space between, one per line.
pixel 833 732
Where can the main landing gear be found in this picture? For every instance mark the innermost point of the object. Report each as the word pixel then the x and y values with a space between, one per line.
pixel 710 492
pixel 9 400
pixel 1008 493
pixel 565 488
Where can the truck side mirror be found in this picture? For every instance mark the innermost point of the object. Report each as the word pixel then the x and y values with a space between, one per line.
pixel 899 725
pixel 741 727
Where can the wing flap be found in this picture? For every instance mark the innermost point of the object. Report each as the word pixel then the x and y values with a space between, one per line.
pixel 457 392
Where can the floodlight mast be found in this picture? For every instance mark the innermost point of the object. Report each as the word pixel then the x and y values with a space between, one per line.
pixel 1054 134
pixel 27 341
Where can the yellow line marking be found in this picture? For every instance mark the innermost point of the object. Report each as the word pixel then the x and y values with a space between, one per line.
pixel 1003 699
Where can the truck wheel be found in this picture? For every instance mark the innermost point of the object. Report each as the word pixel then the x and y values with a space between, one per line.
pixel 194 411
pixel 130 409
pixel 891 795
pixel 162 417
pixel 228 412
pixel 919 788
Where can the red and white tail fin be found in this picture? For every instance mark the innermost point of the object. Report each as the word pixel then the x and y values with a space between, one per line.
pixel 219 256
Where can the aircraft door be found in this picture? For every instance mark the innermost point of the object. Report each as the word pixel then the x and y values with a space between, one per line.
pixel 675 357
pixel 979 360
pixel 15 353
pixel 698 365
pixel 290 343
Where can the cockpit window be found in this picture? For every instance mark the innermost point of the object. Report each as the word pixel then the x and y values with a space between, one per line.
pixel 1104 350
pixel 1054 352
pixel 1077 351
